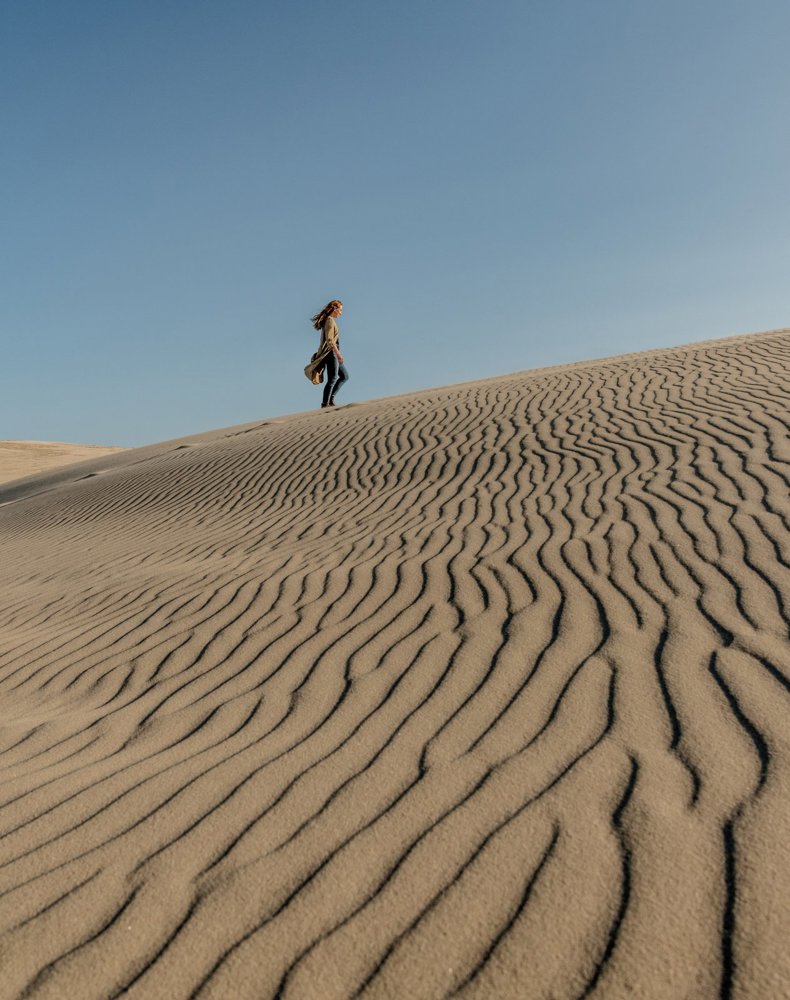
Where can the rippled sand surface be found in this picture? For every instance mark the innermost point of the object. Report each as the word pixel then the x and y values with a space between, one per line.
pixel 479 692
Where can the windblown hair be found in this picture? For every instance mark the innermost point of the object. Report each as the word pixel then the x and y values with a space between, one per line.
pixel 319 318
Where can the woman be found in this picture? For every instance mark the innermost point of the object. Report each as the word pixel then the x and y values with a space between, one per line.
pixel 336 373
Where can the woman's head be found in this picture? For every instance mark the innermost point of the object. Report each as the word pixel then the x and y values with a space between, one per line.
pixel 333 308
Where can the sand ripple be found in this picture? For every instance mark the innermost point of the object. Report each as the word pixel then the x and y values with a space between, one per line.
pixel 481 692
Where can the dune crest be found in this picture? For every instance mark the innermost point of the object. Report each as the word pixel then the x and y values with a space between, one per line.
pixel 481 692
pixel 20 459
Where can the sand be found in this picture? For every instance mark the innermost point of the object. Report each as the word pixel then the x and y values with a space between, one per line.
pixel 481 691
pixel 26 458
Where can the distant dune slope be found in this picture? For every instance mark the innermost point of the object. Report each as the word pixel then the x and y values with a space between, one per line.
pixel 478 692
pixel 26 458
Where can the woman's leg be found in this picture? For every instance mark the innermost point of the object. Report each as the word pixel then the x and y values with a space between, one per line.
pixel 331 377
pixel 342 378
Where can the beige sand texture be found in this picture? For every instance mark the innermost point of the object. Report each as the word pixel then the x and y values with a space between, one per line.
pixel 26 458
pixel 482 691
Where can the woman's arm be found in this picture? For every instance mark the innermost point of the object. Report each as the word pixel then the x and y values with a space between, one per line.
pixel 330 334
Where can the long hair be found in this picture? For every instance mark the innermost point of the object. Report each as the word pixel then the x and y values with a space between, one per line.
pixel 319 318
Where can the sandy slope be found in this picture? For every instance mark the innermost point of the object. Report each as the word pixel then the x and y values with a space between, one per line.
pixel 482 691
pixel 26 458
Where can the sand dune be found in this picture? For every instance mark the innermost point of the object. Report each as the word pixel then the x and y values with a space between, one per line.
pixel 27 458
pixel 481 691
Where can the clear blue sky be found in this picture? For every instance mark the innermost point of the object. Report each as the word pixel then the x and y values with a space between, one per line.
pixel 488 186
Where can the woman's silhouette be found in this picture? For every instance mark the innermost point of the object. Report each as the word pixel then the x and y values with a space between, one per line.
pixel 336 373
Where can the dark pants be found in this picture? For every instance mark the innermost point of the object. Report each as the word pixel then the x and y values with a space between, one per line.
pixel 336 375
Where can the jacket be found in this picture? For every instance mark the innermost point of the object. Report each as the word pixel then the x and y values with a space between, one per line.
pixel 314 369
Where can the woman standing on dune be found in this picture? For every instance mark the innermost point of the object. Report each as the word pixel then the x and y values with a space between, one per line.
pixel 329 351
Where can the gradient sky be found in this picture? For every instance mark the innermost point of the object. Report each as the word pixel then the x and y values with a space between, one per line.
pixel 488 186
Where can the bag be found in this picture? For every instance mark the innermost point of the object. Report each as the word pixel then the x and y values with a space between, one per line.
pixel 315 372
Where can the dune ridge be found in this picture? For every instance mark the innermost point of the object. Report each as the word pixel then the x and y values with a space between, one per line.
pixel 479 691
pixel 20 459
